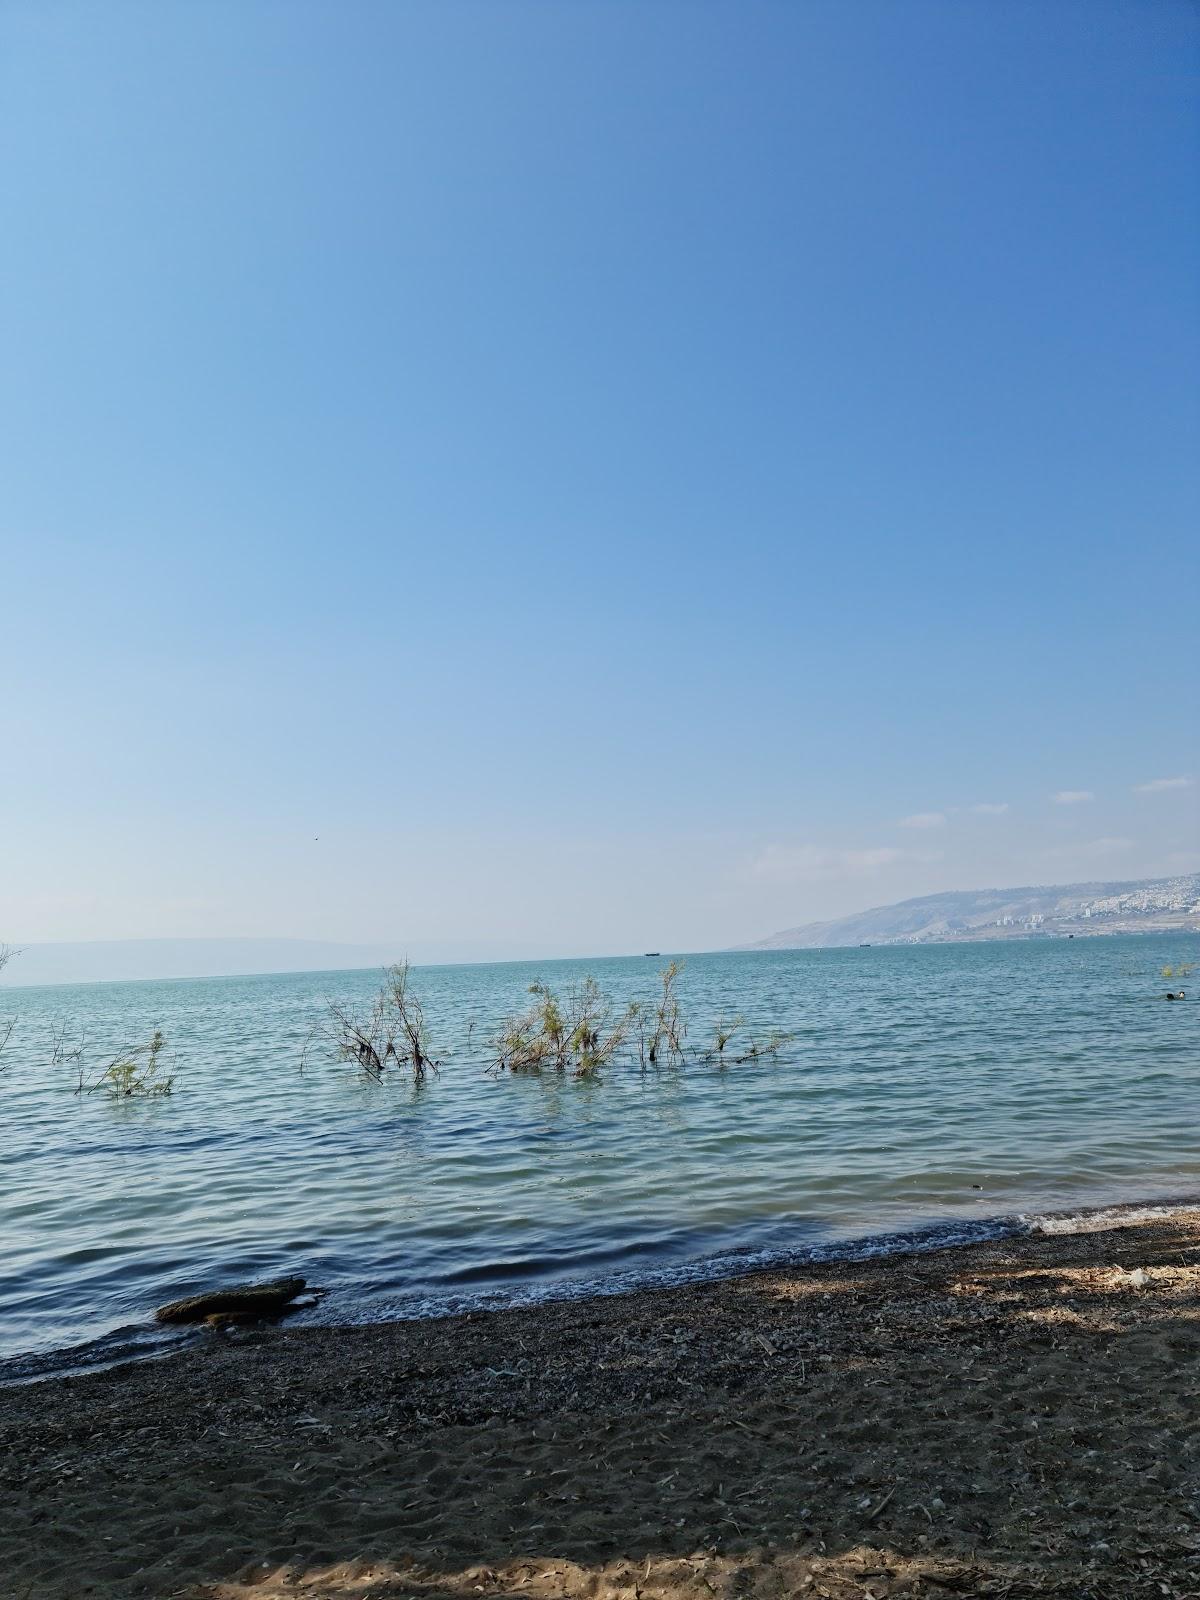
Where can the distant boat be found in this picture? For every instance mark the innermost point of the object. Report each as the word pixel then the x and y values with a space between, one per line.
pixel 654 952
pixel 865 945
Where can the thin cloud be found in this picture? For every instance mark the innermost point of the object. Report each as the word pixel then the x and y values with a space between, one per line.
pixel 1092 850
pixel 924 819
pixel 1159 785
pixel 809 863
pixel 1072 797
pixel 990 808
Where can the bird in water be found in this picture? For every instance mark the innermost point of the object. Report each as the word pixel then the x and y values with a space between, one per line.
pixel 1179 996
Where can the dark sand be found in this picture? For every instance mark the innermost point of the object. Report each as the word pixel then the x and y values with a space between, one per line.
pixel 1012 1419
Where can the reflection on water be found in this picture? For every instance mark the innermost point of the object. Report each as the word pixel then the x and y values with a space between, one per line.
pixel 1050 1074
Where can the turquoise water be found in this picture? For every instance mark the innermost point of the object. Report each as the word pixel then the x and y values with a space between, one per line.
pixel 1050 1074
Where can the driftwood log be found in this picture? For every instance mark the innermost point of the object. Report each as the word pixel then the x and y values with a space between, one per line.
pixel 239 1300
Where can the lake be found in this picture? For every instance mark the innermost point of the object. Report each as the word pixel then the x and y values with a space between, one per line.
pixel 939 1091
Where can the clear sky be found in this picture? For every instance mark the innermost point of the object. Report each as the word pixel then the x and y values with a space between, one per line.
pixel 598 475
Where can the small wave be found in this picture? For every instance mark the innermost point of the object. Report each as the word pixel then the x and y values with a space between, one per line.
pixel 1097 1219
pixel 343 1308
pixel 732 1263
pixel 735 1262
pixel 111 1350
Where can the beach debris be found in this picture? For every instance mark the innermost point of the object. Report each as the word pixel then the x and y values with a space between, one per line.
pixel 241 1300
pixel 872 1515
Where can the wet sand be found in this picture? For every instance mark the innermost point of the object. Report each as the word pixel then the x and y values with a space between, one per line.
pixel 1006 1419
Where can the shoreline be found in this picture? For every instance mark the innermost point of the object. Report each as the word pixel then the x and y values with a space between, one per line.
pixel 1011 1416
pixel 150 1341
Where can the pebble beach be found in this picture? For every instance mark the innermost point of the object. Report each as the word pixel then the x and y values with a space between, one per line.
pixel 1014 1418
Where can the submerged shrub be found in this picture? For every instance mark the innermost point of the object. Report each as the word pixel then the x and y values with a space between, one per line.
pixel 583 1031
pixel 775 1041
pixel 393 1030
pixel 724 1030
pixel 661 1028
pixel 579 1034
pixel 754 1050
pixel 6 1028
pixel 136 1071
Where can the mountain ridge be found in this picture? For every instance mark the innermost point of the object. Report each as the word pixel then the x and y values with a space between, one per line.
pixel 1140 905
pixel 137 960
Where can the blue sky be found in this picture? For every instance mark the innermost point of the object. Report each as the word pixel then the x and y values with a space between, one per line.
pixel 586 474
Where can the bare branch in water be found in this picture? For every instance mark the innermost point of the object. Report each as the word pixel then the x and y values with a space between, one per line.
pixel 661 1031
pixel 724 1030
pixel 62 1054
pixel 7 952
pixel 755 1050
pixel 393 1029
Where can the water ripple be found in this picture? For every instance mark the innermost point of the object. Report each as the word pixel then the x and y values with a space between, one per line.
pixel 938 1089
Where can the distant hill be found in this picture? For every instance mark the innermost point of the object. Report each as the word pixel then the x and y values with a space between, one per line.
pixel 111 960
pixel 1149 905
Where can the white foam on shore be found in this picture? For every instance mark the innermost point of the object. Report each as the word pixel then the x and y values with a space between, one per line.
pixel 1099 1220
pixel 926 1239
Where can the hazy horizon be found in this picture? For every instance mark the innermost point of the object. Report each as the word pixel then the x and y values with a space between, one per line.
pixel 104 960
